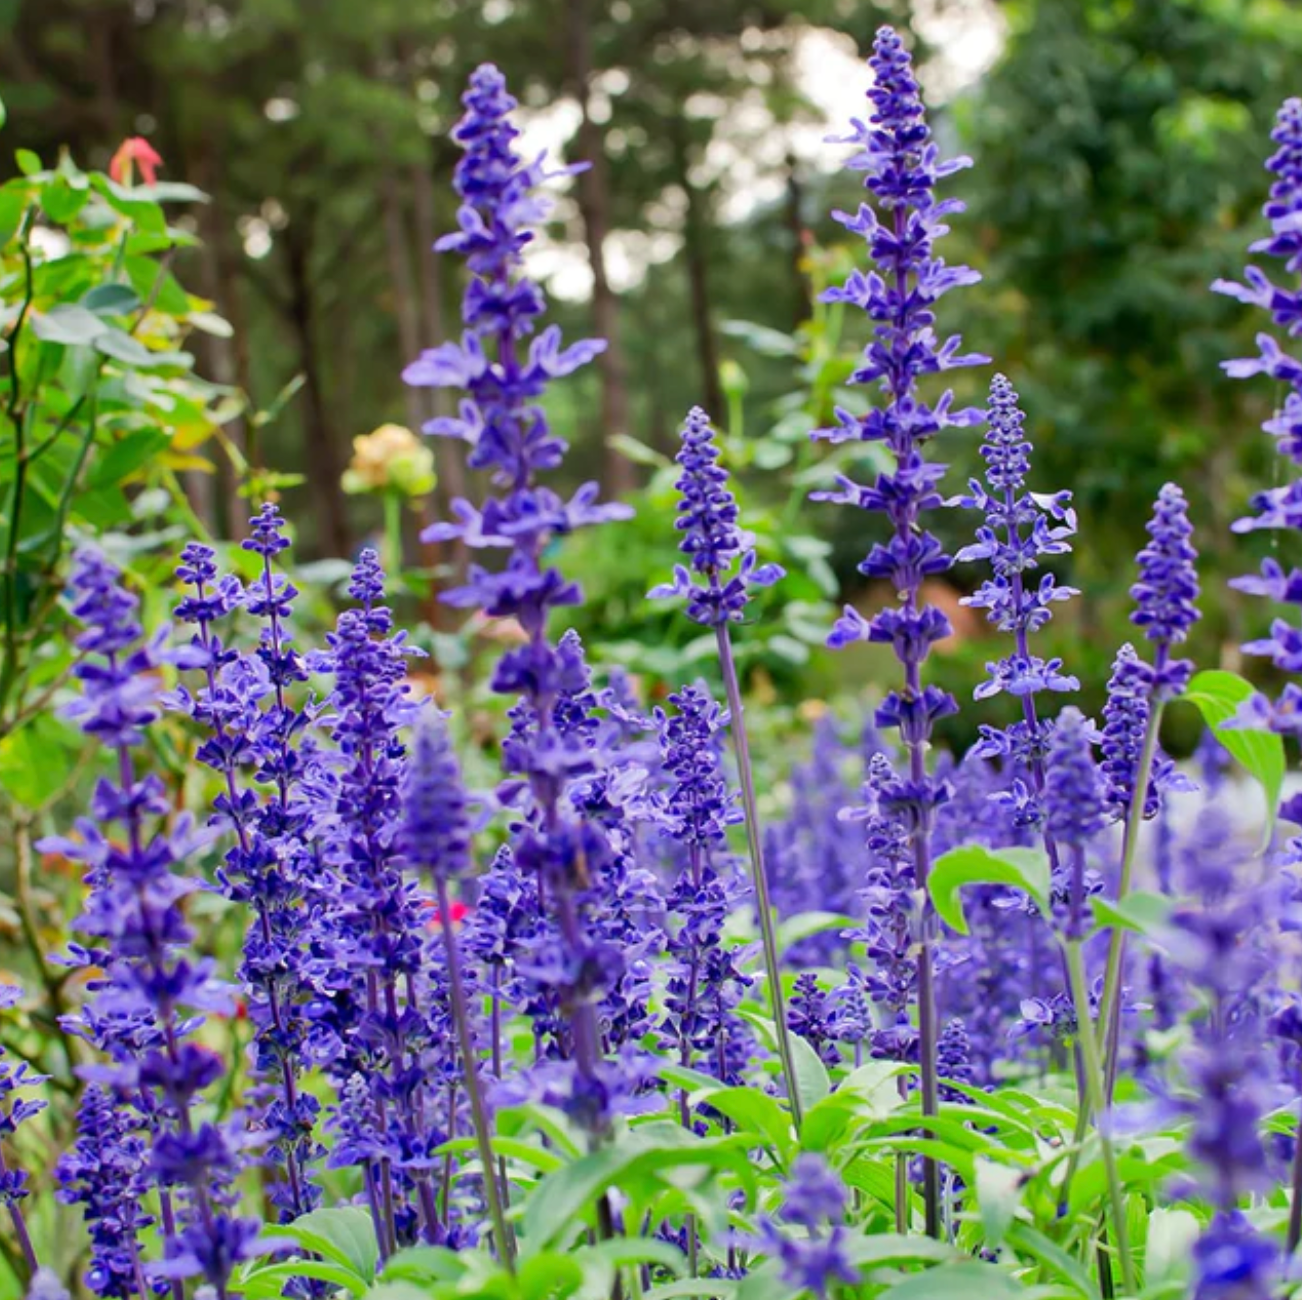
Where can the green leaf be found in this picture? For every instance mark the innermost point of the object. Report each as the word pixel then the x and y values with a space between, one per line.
pixel 974 864
pixel 812 1080
pixel 713 1287
pixel 61 201
pixel 69 324
pixel 895 1248
pixel 1171 1235
pixel 13 204
pixel 791 931
pixel 28 162
pixel 122 459
pixel 344 1234
pixel 1217 695
pixel 965 1281
pixel 35 761
pixel 757 1113
pixel 638 452
pixel 551 1275
pixel 1141 912
pixel 119 345
pixel 999 1194
pixel 1029 1241
pixel 397 1291
pixel 269 1283
pixel 425 1263
pixel 111 299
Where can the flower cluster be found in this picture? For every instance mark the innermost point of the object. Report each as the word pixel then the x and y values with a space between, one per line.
pixel 712 540
pixel 814 1201
pixel 152 994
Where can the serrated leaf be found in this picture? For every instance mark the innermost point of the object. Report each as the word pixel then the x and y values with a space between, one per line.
pixel 974 864
pixel 1218 696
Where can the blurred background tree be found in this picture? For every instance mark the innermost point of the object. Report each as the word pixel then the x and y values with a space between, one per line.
pixel 1118 147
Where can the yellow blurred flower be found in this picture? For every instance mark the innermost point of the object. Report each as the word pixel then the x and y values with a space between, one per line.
pixel 390 459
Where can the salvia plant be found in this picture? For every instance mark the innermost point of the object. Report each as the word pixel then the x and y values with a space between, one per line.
pixel 1021 1021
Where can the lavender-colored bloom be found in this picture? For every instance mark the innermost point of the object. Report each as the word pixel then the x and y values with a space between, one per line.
pixel 811 1015
pixel 46 1286
pixel 1074 794
pixel 1165 591
pixel 16 1110
pixel 435 815
pixel 1233 1261
pixel 255 728
pixel 503 368
pixel 1125 724
pixel 902 166
pixel 814 1200
pixel 151 995
pixel 712 541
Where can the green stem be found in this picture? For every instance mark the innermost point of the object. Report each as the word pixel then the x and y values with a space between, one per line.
pixel 1089 1045
pixel 393 534
pixel 763 909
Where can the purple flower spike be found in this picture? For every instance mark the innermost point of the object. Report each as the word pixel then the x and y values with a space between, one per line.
pixel 1167 587
pixel 436 820
pixel 902 166
pixel 1074 794
pixel 712 540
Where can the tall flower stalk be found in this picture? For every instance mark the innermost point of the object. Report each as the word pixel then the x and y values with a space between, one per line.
pixel 717 588
pixel 903 165
pixel 1279 508
pixel 436 839
pixel 503 367
pixel 15 1110
pixel 152 995
pixel 244 705
pixel 1164 595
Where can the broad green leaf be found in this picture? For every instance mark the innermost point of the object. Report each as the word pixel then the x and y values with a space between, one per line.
pixel 713 1287
pixel 121 346
pixel 974 864
pixel 1142 912
pixel 1218 695
pixel 812 1080
pixel 61 201
pixel 999 1194
pixel 269 1283
pixel 124 458
pixel 1029 1241
pixel 1171 1235
pixel 111 299
pixel 69 324
pixel 791 931
pixel 13 204
pixel 397 1291
pixel 895 1248
pixel 35 761
pixel 552 1276
pixel 758 1113
pixel 420 1263
pixel 600 1262
pixel 966 1281
pixel 344 1234
pixel 28 163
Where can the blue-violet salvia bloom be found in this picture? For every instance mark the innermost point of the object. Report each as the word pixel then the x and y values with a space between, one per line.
pixel 712 540
pixel 504 371
pixel 152 995
pixel 1165 591
pixel 254 728
pixel 814 1201
pixel 1075 811
pixel 15 1110
pixel 1021 529
pixel 1281 507
pixel 903 165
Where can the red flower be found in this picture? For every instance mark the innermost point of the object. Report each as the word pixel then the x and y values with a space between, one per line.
pixel 459 913
pixel 133 152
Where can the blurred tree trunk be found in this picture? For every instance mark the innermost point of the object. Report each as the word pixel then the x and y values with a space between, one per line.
pixel 227 358
pixel 323 462
pixel 594 207
pixel 405 304
pixel 696 254
pixel 803 307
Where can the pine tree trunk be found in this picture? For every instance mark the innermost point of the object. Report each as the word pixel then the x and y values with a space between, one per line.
pixel 594 207
pixel 323 462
